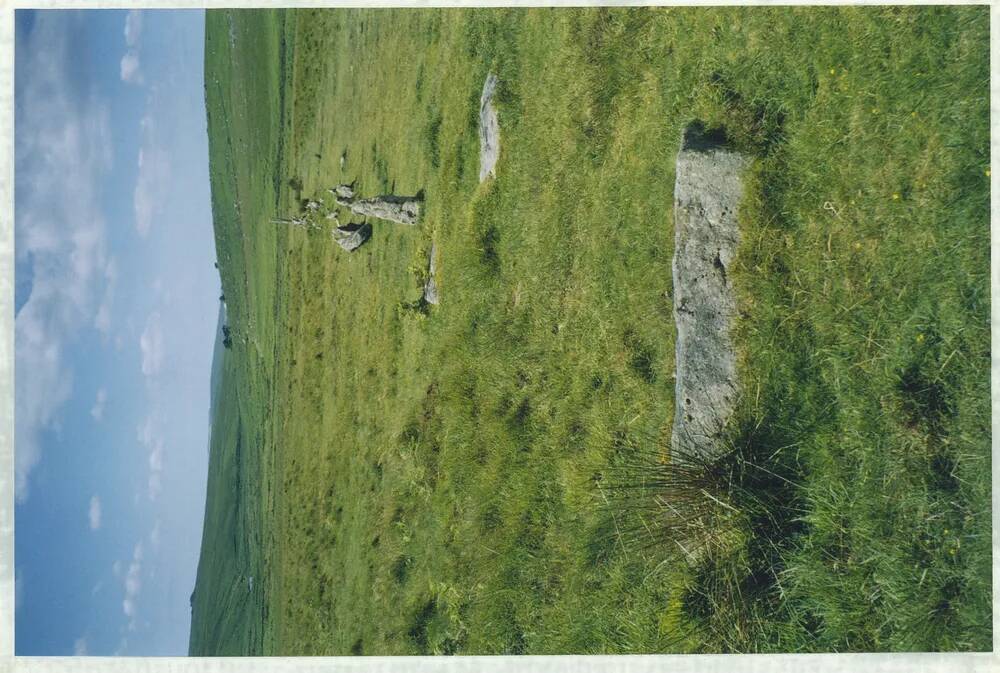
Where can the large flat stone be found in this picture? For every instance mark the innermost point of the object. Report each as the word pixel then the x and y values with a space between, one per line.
pixel 707 193
pixel 400 209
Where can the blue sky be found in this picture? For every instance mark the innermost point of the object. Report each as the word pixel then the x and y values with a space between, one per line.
pixel 116 301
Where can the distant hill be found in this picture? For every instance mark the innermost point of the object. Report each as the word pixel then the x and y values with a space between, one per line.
pixel 220 594
pixel 217 355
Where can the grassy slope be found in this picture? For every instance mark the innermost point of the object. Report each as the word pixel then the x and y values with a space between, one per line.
pixel 243 76
pixel 439 475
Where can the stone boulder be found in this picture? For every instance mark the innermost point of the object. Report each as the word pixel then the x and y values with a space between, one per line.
pixel 707 194
pixel 343 194
pixel 352 236
pixel 431 295
pixel 489 130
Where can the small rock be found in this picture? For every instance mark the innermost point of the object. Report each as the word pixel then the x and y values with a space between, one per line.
pixel 344 194
pixel 352 236
pixel 489 130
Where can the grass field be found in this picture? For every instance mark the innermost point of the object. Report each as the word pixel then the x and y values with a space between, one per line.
pixel 405 481
pixel 245 104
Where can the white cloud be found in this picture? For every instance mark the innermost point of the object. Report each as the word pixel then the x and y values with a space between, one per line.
pixel 156 457
pixel 153 176
pixel 133 585
pixel 132 581
pixel 63 148
pixel 131 71
pixel 150 436
pixel 97 411
pixel 94 514
pixel 151 345
pixel 133 27
pixel 80 647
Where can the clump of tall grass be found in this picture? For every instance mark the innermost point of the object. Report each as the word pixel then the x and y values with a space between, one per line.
pixel 731 517
pixel 698 503
pixel 678 498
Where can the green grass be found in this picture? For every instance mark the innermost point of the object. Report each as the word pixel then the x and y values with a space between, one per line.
pixel 442 481
pixel 246 66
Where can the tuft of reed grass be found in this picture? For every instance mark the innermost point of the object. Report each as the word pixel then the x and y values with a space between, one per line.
pixel 697 502
pixel 730 518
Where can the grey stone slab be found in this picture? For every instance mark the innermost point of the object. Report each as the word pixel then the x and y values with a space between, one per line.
pixel 489 130
pixel 399 209
pixel 431 295
pixel 707 194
